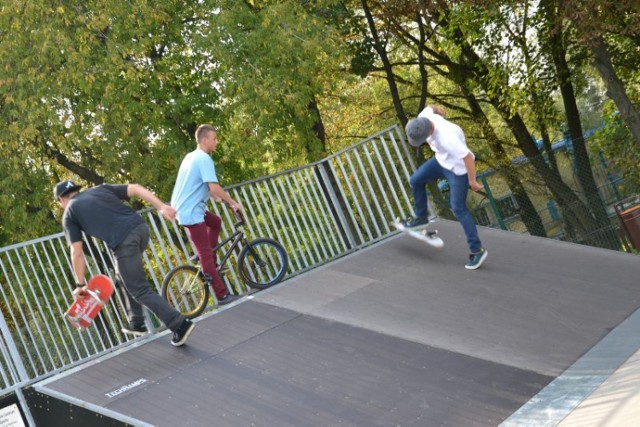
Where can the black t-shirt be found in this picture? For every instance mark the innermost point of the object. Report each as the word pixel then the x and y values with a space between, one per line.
pixel 100 212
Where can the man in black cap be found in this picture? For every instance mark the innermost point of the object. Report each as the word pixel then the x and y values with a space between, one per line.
pixel 100 212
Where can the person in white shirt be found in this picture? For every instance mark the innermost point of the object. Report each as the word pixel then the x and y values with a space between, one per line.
pixel 454 162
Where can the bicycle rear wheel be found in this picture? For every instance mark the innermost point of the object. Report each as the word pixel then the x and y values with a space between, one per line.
pixel 262 263
pixel 185 289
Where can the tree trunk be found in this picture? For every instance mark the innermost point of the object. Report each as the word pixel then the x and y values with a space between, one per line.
pixel 318 130
pixel 438 200
pixel 562 192
pixel 583 165
pixel 382 53
pixel 528 212
pixel 615 88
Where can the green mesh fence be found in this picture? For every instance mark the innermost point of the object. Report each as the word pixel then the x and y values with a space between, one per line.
pixel 548 199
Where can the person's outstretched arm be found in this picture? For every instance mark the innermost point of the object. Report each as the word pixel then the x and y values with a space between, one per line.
pixel 137 190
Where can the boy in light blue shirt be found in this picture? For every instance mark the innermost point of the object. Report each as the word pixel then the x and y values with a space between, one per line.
pixel 195 184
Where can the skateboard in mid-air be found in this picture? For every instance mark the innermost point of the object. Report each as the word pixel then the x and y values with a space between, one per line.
pixel 428 236
pixel 85 308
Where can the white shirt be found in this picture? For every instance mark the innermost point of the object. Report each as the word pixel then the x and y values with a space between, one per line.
pixel 448 142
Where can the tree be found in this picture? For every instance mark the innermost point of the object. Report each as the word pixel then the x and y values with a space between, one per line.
pixel 595 21
pixel 113 92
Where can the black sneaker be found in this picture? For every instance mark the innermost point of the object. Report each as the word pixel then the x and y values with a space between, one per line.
pixel 415 223
pixel 228 299
pixel 133 329
pixel 181 335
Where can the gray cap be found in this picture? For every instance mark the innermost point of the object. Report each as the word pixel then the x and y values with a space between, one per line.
pixel 418 130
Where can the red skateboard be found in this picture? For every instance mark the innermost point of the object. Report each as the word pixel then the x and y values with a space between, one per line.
pixel 84 309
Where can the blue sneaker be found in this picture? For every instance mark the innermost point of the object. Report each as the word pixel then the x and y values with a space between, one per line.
pixel 476 260
pixel 415 223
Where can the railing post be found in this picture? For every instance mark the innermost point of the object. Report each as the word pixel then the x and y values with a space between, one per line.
pixel 338 205
pixel 492 202
pixel 15 365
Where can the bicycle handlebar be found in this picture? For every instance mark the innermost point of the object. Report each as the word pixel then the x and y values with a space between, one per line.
pixel 239 218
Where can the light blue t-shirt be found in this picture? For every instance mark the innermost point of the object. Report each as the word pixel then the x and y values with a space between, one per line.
pixel 191 191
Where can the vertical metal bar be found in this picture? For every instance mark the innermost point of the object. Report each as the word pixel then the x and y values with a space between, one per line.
pixel 354 202
pixel 492 202
pixel 381 189
pixel 15 360
pixel 287 220
pixel 373 196
pixel 403 144
pixel 294 256
pixel 395 171
pixel 25 407
pixel 63 249
pixel 336 205
pixel 323 202
pixel 363 195
pixel 160 241
pixel 25 320
pixel 312 253
pixel 326 219
pixel 58 291
pixel 49 301
pixel 61 290
pixel 8 373
pixel 310 208
pixel 392 187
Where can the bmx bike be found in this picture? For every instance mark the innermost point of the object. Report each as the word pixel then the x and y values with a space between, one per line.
pixel 261 263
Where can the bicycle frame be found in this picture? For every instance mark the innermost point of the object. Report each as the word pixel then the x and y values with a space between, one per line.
pixel 236 239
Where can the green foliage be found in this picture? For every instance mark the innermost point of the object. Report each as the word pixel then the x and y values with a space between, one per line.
pixel 617 145
pixel 275 59
pixel 112 92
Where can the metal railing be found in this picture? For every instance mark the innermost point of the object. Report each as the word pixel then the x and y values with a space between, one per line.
pixel 319 212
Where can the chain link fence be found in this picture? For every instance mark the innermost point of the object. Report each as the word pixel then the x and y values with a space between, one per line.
pixel 554 204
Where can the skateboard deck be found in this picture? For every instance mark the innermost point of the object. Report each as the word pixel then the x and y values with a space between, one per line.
pixel 84 309
pixel 430 237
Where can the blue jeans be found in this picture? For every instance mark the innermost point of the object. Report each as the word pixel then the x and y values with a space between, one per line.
pixel 429 172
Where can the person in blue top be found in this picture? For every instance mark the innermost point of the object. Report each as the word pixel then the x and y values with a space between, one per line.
pixel 196 183
pixel 452 161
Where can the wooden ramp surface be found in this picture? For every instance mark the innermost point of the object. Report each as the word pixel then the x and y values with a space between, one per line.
pixel 399 334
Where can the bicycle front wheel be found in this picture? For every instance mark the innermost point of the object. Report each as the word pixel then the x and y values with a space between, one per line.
pixel 185 289
pixel 262 263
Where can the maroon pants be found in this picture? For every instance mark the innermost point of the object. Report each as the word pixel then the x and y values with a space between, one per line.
pixel 204 237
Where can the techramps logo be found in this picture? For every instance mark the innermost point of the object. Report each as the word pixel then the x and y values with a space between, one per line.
pixel 125 388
